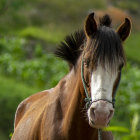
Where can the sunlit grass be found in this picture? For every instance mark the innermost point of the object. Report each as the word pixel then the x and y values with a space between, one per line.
pixel 48 35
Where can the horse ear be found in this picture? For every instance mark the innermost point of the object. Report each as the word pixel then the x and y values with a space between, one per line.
pixel 124 29
pixel 90 25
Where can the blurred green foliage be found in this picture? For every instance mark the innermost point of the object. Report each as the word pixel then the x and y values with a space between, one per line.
pixel 30 65
pixel 132 6
pixel 127 103
pixel 30 30
pixel 21 14
pixel 33 66
pixel 128 95
pixel 130 133
pixel 132 47
pixel 45 35
pixel 11 94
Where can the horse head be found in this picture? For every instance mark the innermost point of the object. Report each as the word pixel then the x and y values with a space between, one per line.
pixel 102 61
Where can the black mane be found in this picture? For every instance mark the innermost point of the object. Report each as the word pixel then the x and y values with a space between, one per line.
pixel 106 45
pixel 69 50
pixel 108 49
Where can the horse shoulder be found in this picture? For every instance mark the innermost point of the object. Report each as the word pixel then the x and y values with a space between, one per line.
pixel 25 105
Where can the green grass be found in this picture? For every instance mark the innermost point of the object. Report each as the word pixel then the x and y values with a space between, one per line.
pixel 68 13
pixel 52 36
pixel 132 47
pixel 12 87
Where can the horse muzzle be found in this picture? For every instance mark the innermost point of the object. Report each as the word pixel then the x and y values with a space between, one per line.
pixel 100 114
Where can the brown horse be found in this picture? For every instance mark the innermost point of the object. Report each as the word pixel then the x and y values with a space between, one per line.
pixel 95 57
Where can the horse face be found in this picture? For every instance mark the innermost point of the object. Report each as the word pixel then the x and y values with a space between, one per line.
pixel 104 58
pixel 103 81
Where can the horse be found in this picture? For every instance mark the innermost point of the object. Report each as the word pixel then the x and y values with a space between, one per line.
pixel 83 101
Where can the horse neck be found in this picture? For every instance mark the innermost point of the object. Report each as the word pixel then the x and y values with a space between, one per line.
pixel 74 122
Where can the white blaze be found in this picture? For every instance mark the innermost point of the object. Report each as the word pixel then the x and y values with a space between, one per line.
pixel 102 81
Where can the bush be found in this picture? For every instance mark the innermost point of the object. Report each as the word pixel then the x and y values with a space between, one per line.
pixel 127 101
pixel 31 64
pixel 127 104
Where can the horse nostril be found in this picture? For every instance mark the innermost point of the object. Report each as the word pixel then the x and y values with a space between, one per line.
pixel 111 114
pixel 92 112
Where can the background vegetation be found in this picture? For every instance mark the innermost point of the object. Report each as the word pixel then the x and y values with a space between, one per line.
pixel 30 30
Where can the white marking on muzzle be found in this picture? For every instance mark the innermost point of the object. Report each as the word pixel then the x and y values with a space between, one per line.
pixel 102 81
